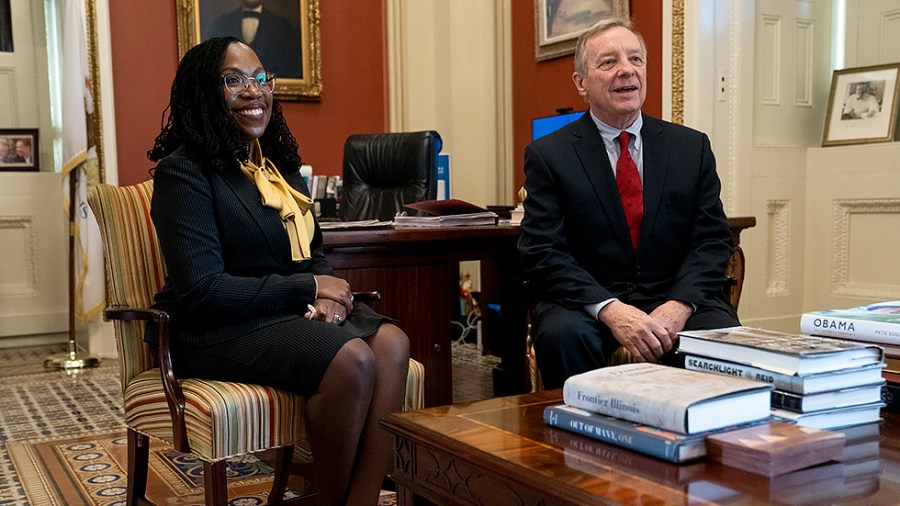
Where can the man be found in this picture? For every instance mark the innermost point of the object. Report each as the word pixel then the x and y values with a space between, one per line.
pixel 861 104
pixel 23 150
pixel 4 150
pixel 272 37
pixel 603 277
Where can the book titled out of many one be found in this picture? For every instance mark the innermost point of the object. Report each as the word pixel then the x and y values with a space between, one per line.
pixel 786 353
pixel 654 441
pixel 669 398
pixel 874 323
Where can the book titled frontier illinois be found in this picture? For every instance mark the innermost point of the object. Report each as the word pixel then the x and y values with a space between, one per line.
pixel 875 323
pixel 778 351
pixel 668 398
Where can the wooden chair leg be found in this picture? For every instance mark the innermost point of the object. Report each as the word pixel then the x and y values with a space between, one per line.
pixel 216 490
pixel 138 458
pixel 283 457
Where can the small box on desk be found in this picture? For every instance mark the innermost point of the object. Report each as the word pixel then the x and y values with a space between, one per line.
pixel 775 448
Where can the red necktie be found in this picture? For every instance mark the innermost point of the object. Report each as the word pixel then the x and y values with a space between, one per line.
pixel 629 183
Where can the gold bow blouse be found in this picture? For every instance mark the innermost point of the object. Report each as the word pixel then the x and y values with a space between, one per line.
pixel 293 206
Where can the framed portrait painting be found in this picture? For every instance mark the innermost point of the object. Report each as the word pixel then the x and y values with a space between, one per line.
pixel 862 107
pixel 19 150
pixel 284 34
pixel 559 23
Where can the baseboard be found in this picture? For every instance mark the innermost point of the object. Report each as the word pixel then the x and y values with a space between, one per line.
pixel 33 340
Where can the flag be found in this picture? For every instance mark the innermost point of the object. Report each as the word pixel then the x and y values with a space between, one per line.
pixel 80 163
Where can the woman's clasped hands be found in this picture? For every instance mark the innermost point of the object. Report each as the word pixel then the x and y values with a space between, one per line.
pixel 334 301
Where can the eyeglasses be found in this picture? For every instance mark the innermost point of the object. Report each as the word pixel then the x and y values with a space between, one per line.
pixel 238 83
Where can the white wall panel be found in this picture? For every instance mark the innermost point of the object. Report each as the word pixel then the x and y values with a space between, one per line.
pixel 8 104
pixel 874 35
pixel 778 226
pixel 803 62
pixel 33 281
pixel 854 215
pixel 769 66
pixel 861 233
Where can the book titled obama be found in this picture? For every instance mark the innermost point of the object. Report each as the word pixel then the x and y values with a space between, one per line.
pixel 669 398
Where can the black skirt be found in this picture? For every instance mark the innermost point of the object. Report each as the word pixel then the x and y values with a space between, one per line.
pixel 290 353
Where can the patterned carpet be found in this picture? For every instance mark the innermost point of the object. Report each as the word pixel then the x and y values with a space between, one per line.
pixel 90 470
pixel 62 443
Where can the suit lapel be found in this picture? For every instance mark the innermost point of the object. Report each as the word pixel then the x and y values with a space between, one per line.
pixel 655 171
pixel 249 197
pixel 595 164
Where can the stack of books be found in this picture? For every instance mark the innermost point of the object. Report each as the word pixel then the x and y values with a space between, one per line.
pixel 661 411
pixel 877 323
pixel 819 382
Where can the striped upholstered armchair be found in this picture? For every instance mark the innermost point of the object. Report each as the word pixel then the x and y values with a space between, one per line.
pixel 213 420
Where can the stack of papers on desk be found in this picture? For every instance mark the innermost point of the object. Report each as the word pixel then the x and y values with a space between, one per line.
pixel 338 225
pixel 445 213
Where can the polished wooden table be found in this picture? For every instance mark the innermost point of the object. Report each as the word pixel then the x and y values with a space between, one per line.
pixel 499 452
pixel 417 272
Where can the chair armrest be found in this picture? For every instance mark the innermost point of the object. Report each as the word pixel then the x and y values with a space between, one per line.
pixel 174 394
pixel 367 297
pixel 734 276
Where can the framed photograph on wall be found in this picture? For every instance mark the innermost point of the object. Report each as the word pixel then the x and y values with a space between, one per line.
pixel 19 150
pixel 284 34
pixel 559 23
pixel 862 107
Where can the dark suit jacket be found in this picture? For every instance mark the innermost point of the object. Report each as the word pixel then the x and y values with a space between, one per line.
pixel 228 257
pixel 575 248
pixel 277 44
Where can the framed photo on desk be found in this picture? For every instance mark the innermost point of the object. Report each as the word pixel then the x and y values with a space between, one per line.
pixel 284 34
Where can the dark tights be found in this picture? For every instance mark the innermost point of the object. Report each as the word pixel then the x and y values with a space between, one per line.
pixel 365 381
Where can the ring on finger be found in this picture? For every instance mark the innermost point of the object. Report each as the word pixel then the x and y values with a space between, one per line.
pixel 337 318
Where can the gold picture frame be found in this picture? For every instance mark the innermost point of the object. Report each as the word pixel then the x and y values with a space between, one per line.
pixel 297 80
pixel 862 105
pixel 555 33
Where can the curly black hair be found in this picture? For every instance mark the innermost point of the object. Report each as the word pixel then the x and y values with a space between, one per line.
pixel 199 119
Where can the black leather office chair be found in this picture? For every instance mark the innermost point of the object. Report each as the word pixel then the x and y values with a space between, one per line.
pixel 383 172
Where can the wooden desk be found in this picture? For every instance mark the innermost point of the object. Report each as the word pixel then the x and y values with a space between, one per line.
pixel 417 271
pixel 499 451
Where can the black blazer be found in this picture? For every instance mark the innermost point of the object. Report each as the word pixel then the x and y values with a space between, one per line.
pixel 228 258
pixel 575 248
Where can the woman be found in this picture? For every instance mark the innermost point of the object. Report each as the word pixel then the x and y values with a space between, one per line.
pixel 251 295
